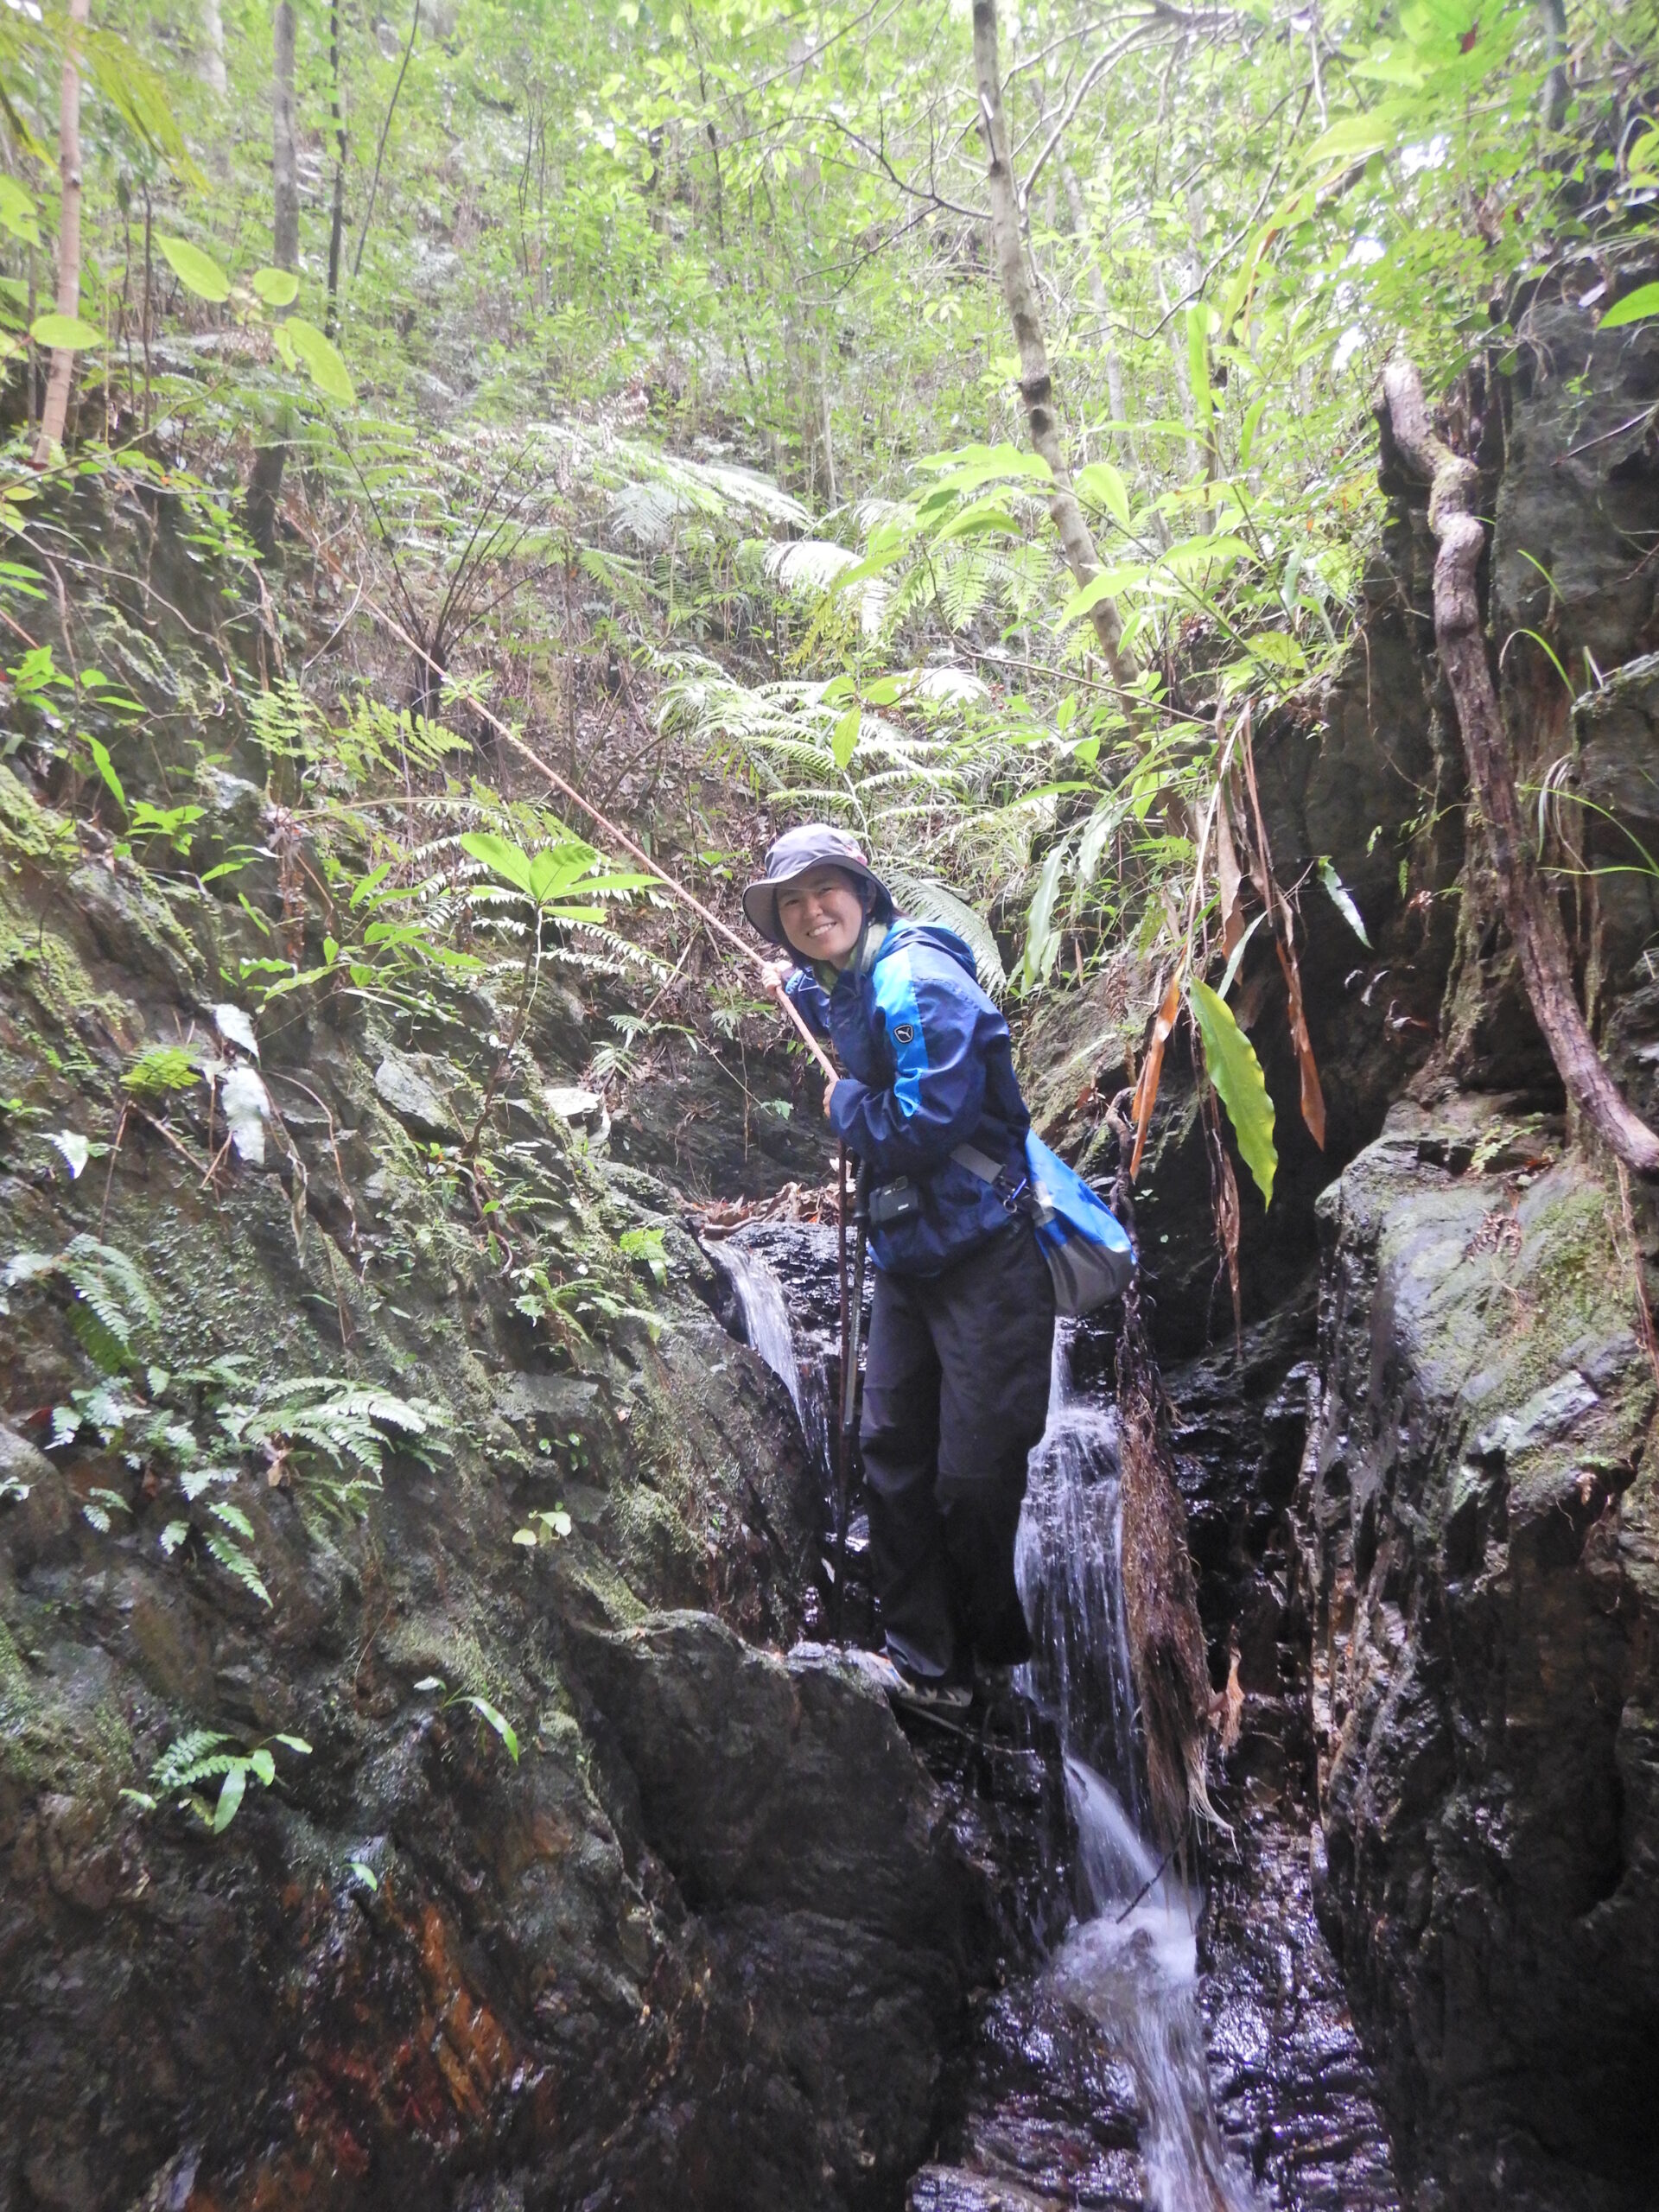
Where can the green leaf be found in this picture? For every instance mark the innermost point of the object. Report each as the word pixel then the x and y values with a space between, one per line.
pixel 293 1743
pixel 1343 900
pixel 197 271
pixel 230 1797
pixel 17 212
pixel 503 1727
pixel 1104 485
pixel 508 862
pixel 105 767
pixel 64 333
pixel 278 288
pixel 1231 1059
pixel 320 356
pixel 365 1874
pixel 1634 308
pixel 844 737
pixel 263 1766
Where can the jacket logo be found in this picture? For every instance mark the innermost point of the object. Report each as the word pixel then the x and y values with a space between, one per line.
pixel 903 1031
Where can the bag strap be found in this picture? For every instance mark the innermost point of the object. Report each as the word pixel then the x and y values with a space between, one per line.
pixel 1016 1197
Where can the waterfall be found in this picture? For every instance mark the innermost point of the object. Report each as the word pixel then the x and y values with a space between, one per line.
pixel 765 1317
pixel 1131 1961
pixel 769 1331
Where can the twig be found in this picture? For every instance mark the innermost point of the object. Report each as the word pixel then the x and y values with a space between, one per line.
pixel 379 151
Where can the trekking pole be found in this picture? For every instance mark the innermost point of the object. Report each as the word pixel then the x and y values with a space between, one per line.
pixel 841 1199
pixel 851 1342
pixel 637 852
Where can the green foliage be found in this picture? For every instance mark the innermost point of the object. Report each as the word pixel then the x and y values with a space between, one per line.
pixel 1231 1063
pixel 112 1302
pixel 491 1715
pixel 330 1436
pixel 201 1755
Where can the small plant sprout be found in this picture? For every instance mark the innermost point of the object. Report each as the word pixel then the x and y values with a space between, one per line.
pixel 492 1716
pixel 645 1245
pixel 543 1529
pixel 202 1756
pixel 365 1874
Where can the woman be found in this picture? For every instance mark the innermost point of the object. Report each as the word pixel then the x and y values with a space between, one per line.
pixel 956 1387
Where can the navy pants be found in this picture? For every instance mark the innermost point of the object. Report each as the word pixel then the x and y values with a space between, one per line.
pixel 956 1395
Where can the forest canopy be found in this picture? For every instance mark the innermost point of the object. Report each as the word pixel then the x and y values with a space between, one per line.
pixel 955 420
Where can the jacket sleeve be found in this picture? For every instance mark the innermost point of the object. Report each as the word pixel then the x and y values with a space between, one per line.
pixel 807 995
pixel 939 1031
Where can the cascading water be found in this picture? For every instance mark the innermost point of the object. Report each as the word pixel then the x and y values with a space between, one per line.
pixel 1130 1964
pixel 766 1318
pixel 768 1330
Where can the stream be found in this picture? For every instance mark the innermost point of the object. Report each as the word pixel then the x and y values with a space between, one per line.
pixel 1108 2070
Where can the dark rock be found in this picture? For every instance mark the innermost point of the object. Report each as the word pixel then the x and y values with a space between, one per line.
pixel 413 1086
pixel 1478 1529
pixel 802 1830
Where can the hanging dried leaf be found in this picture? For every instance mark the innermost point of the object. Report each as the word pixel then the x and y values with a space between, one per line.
pixel 1313 1096
pixel 1229 875
pixel 1223 1202
pixel 1151 1069
pixel 1274 900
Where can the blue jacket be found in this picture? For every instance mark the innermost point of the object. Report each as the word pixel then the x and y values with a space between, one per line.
pixel 929 1067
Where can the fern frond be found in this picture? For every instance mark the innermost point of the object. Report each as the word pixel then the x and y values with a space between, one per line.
pixel 236 1562
pixel 191 1757
pixel 931 901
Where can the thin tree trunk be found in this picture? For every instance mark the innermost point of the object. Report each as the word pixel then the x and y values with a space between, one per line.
pixel 380 149
pixel 1036 386
pixel 55 412
pixel 337 223
pixel 213 57
pixel 285 167
pixel 1530 908
pixel 1555 87
pixel 265 478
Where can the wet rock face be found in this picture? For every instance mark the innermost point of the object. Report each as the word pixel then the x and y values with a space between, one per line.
pixel 829 1890
pixel 1479 1528
pixel 413 1968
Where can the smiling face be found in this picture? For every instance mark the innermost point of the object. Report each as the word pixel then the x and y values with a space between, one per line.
pixel 821 914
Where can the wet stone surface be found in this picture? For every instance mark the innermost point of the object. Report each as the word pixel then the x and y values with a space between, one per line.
pixel 1296 2096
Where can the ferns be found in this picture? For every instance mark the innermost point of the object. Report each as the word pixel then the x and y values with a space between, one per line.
pixel 932 902
pixel 332 1435
pixel 199 1757
pixel 112 1301
pixel 191 1758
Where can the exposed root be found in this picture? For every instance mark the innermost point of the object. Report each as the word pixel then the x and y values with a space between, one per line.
pixel 1166 1648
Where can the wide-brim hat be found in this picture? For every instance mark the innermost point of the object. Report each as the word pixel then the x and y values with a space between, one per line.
pixel 796 854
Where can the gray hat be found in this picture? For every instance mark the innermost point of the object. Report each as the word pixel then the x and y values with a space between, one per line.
pixel 797 853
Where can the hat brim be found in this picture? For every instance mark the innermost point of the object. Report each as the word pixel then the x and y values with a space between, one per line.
pixel 760 899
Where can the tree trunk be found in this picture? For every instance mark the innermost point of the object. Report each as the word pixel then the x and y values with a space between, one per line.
pixel 1036 387
pixel 265 478
pixel 1529 907
pixel 213 57
pixel 284 167
pixel 337 223
pixel 55 412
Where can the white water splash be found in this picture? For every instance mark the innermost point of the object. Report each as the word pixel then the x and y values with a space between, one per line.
pixel 1131 1963
pixel 765 1317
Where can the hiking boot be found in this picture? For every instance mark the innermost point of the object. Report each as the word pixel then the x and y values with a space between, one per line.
pixel 947 1696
